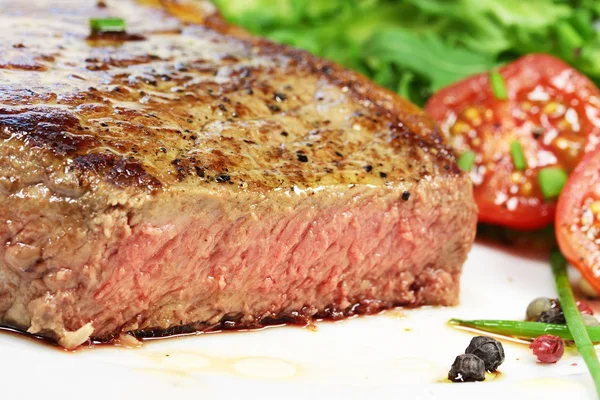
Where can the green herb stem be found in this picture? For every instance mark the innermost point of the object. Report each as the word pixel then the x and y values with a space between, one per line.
pixel 518 155
pixel 466 160
pixel 498 85
pixel 523 329
pixel 552 180
pixel 574 322
pixel 98 25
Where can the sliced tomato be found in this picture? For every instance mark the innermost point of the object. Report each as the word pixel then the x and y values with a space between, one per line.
pixel 578 218
pixel 552 110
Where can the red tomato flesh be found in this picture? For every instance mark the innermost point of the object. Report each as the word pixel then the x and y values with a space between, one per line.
pixel 552 110
pixel 578 219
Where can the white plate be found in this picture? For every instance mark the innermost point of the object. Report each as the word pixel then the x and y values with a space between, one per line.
pixel 400 354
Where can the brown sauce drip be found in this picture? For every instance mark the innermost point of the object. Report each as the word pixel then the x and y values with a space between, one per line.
pixel 229 323
pixel 10 330
pixel 303 318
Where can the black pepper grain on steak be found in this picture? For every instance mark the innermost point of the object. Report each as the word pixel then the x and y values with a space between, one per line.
pixel 198 177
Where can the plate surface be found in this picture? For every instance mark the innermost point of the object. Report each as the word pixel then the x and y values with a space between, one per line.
pixel 399 354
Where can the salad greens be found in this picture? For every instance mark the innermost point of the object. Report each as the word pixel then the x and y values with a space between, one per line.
pixel 415 47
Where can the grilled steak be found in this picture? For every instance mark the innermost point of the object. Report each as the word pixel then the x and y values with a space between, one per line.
pixel 186 176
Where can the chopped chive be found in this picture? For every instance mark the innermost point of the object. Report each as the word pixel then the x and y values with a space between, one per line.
pixel 518 156
pixel 466 160
pixel 574 322
pixel 98 25
pixel 498 85
pixel 552 180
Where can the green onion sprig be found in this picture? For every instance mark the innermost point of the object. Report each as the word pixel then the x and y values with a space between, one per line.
pixel 100 25
pixel 574 322
pixel 518 156
pixel 498 85
pixel 552 180
pixel 523 329
pixel 466 160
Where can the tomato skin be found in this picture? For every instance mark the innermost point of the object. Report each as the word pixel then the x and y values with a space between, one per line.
pixel 574 243
pixel 529 218
pixel 494 174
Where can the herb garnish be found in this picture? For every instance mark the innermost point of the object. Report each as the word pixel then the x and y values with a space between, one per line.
pixel 103 25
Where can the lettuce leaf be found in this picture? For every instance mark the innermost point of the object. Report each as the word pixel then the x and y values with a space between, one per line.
pixel 427 55
pixel 418 46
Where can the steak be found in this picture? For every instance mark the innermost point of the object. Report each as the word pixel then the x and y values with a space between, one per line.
pixel 186 176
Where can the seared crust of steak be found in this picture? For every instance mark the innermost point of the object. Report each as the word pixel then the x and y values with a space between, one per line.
pixel 185 174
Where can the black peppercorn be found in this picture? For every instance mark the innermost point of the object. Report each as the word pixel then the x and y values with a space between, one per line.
pixel 302 157
pixel 222 178
pixel 467 368
pixel 488 349
pixel 552 316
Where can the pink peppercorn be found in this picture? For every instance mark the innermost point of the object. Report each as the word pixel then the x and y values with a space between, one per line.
pixel 548 348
